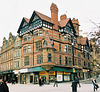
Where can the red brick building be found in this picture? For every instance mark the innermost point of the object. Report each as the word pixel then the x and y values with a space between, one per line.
pixel 52 48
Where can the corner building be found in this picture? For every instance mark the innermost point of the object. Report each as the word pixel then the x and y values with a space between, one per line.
pixel 50 48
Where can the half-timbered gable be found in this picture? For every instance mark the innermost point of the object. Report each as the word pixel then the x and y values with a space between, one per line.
pixel 23 28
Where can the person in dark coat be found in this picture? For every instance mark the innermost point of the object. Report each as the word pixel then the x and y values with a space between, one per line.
pixel 95 84
pixel 6 87
pixel 77 81
pixel 40 82
pixel 74 86
pixel 55 83
pixel 3 86
pixel 43 81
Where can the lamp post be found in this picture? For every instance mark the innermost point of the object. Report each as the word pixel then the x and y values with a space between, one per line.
pixel 73 58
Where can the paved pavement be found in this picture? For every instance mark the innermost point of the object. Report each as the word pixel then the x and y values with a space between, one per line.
pixel 63 87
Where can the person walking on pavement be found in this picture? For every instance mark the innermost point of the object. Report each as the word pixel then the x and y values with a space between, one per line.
pixel 55 83
pixel 43 81
pixel 77 81
pixel 74 86
pixel 40 82
pixel 3 86
pixel 95 84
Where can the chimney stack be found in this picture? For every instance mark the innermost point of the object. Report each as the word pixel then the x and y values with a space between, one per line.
pixel 54 15
pixel 63 17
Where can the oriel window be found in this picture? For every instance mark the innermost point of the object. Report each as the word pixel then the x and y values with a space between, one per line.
pixel 49 57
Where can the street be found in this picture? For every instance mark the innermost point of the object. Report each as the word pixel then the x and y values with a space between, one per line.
pixel 62 87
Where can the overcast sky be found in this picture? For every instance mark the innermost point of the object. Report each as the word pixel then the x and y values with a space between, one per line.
pixel 12 12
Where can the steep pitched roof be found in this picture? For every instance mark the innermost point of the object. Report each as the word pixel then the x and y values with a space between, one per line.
pixel 63 22
pixel 24 19
pixel 44 17
pixel 27 20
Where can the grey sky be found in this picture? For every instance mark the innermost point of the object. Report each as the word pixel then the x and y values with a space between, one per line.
pixel 12 12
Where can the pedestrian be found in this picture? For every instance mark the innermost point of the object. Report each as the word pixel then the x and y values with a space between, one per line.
pixel 40 83
pixel 3 86
pixel 77 81
pixel 43 81
pixel 55 83
pixel 6 87
pixel 95 84
pixel 74 86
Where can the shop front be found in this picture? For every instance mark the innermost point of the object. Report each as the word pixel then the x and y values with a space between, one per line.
pixel 23 75
pixel 16 76
pixel 8 75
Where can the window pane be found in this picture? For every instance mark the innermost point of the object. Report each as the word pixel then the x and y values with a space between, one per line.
pixel 26 60
pixel 49 57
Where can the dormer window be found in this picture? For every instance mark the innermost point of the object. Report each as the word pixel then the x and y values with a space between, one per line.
pixel 44 44
pixel 9 43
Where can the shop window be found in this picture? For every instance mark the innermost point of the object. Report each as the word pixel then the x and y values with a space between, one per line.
pixel 49 57
pixel 26 61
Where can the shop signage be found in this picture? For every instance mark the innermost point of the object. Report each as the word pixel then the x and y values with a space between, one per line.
pixel 43 73
pixel 73 70
pixel 67 73
pixel 51 72
pixel 16 71
pixel 23 70
pixel 85 70
pixel 59 72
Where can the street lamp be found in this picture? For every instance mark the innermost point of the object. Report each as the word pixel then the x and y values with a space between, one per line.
pixel 73 58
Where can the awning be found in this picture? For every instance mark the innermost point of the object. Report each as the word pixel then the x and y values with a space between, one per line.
pixel 9 71
pixel 62 69
pixel 0 72
pixel 37 69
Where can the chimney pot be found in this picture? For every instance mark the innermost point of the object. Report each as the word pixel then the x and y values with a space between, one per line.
pixel 63 17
